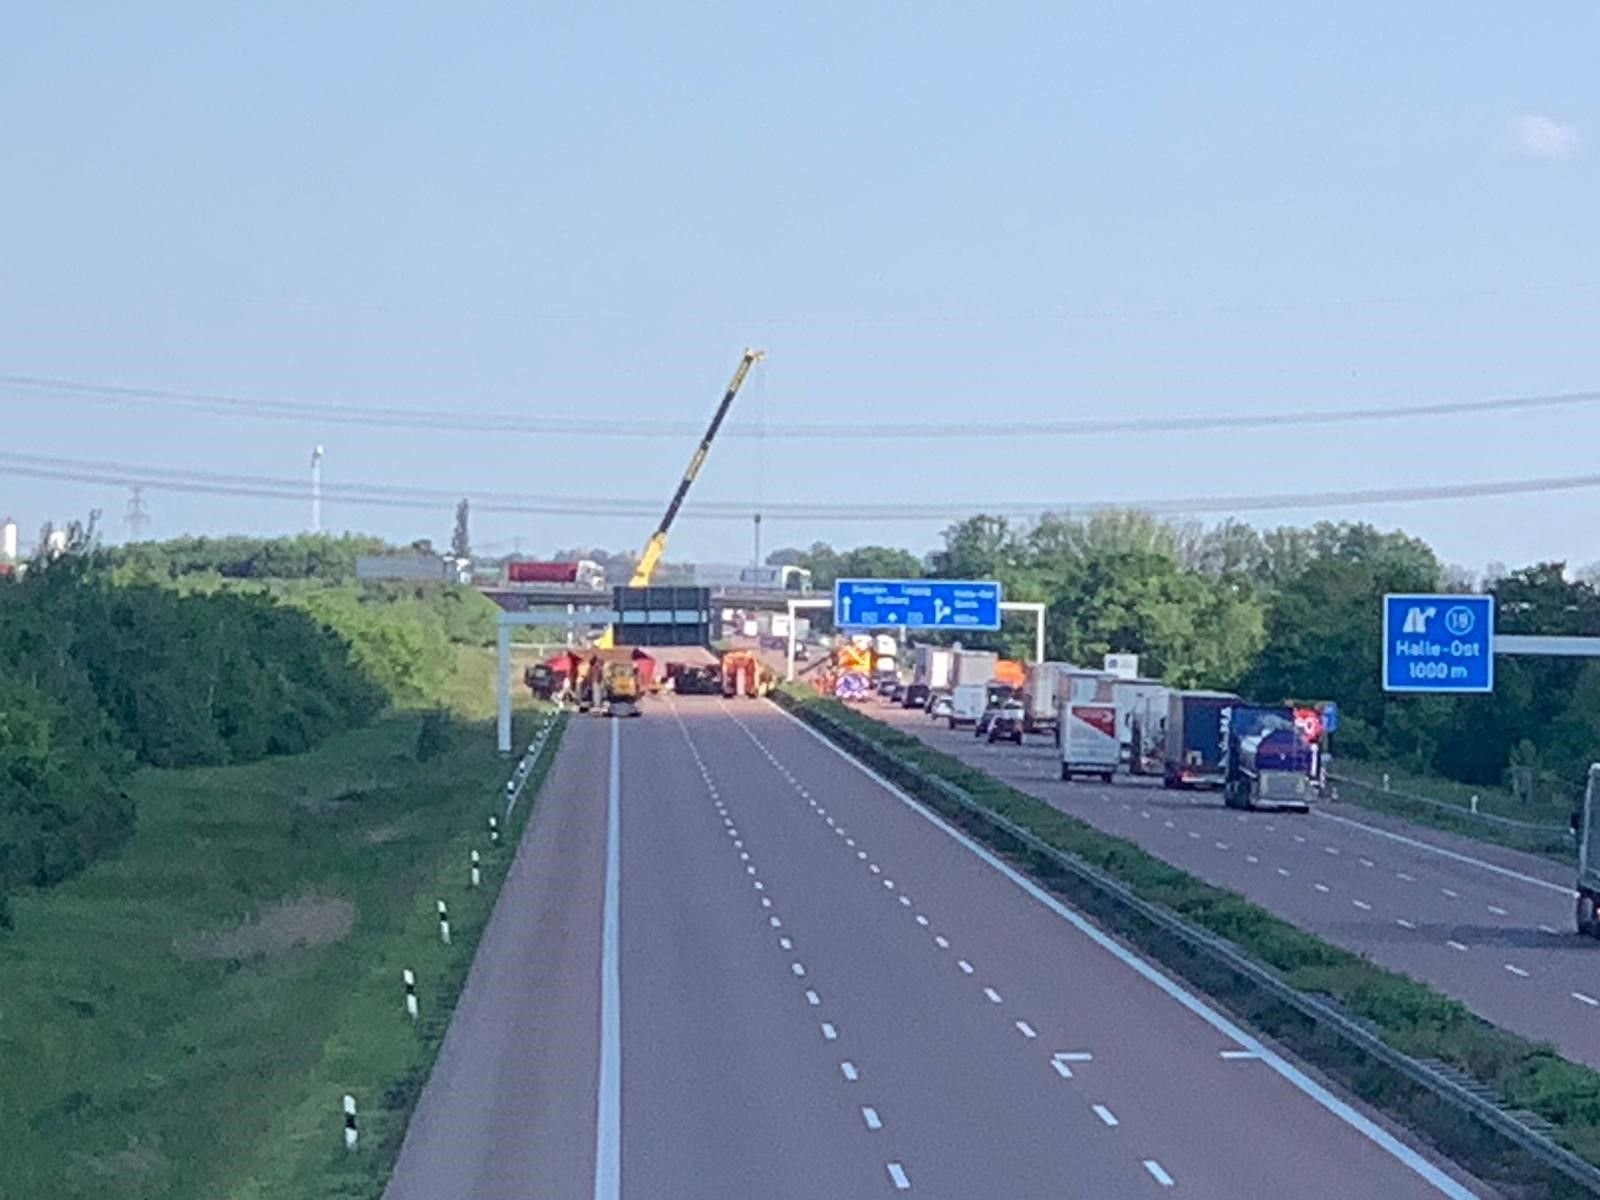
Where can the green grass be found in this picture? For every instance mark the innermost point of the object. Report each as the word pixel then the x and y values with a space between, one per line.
pixel 1409 1015
pixel 1361 783
pixel 144 1059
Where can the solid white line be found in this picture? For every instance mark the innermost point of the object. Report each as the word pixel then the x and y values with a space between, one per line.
pixel 898 1174
pixel 1516 970
pixel 941 941
pixel 1455 945
pixel 848 1070
pixel 1073 1056
pixel 965 966
pixel 1286 1070
pixel 1026 1030
pixel 829 1033
pixel 1403 923
pixel 812 998
pixel 608 1100
pixel 1106 1115
pixel 1589 1000
pixel 1157 1173
pixel 1497 910
pixel 1453 855
pixel 870 1116
pixel 994 996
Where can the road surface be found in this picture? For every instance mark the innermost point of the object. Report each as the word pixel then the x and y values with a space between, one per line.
pixel 1490 926
pixel 729 963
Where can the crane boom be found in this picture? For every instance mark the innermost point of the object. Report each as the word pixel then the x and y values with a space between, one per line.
pixel 657 544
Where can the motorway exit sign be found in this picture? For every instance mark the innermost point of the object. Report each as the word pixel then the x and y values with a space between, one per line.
pixel 1438 643
pixel 916 604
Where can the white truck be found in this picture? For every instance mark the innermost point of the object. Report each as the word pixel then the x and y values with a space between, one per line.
pixel 1086 717
pixel 1147 733
pixel 1586 825
pixel 1039 696
pixel 972 666
pixel 967 703
pixel 1135 698
pixel 930 673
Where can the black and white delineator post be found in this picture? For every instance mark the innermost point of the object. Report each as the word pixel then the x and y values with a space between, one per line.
pixel 494 831
pixel 350 1134
pixel 410 982
pixel 476 875
pixel 444 923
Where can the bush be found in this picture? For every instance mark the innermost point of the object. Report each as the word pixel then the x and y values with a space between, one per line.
pixel 433 735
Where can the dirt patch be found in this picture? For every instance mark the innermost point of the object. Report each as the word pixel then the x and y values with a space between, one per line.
pixel 306 921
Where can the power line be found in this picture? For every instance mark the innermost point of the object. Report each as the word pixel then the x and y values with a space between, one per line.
pixel 390 496
pixel 477 423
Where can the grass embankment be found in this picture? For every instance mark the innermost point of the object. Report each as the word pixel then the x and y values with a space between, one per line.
pixel 1408 1015
pixel 182 1019
pixel 1408 796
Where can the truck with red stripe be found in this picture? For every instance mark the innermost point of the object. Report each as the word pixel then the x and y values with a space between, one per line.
pixel 1086 723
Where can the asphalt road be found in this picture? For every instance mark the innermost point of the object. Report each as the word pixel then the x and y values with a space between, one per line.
pixel 1487 925
pixel 771 976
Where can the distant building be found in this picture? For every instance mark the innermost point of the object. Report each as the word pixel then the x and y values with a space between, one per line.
pixel 8 541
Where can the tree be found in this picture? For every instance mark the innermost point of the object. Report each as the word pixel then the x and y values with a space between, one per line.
pixel 460 542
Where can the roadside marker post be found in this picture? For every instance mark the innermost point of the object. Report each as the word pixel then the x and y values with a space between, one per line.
pixel 350 1134
pixel 494 830
pixel 410 982
pixel 476 875
pixel 444 923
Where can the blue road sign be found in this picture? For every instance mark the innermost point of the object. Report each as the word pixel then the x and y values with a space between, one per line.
pixel 1330 717
pixel 1438 643
pixel 916 604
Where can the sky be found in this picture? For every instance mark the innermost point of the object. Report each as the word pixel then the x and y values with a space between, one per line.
pixel 925 214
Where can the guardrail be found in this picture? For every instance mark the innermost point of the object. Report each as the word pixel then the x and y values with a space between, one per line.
pixel 1459 810
pixel 1527 1131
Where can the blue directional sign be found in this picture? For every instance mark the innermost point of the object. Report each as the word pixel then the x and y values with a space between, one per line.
pixel 1438 643
pixel 916 604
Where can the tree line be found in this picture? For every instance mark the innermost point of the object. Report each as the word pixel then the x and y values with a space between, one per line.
pixel 188 653
pixel 1278 614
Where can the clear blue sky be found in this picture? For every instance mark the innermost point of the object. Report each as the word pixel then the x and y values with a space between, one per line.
pixel 919 211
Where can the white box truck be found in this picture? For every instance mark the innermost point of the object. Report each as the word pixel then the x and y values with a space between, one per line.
pixel 1134 699
pixel 972 666
pixel 930 672
pixel 1087 719
pixel 1147 733
pixel 1039 696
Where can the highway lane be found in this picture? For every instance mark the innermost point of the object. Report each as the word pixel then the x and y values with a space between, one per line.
pixel 822 992
pixel 1486 925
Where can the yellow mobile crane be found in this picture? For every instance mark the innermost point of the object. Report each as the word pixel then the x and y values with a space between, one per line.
pixel 657 545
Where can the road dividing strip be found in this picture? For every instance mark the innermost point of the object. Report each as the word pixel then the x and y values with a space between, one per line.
pixel 608 1114
pixel 1281 1066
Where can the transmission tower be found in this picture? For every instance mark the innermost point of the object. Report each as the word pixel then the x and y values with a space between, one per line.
pixel 137 516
